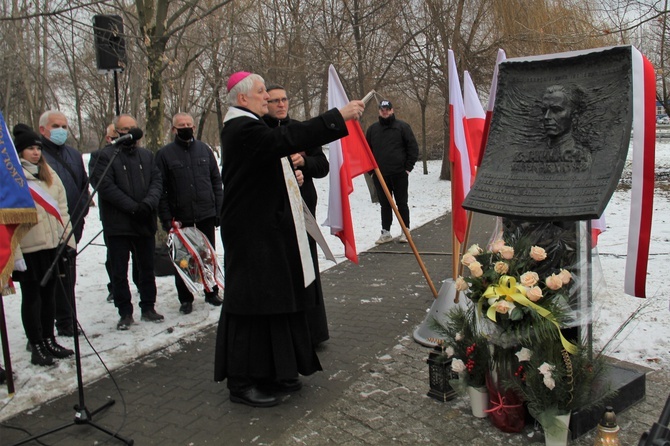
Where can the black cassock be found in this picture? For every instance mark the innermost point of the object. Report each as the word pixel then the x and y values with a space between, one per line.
pixel 263 332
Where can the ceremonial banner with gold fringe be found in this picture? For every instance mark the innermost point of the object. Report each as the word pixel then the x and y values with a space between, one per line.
pixel 17 208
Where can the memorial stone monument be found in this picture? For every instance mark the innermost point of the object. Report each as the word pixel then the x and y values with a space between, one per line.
pixel 557 145
pixel 558 139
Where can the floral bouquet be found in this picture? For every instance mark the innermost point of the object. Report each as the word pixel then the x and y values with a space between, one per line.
pixel 522 293
pixel 514 302
pixel 554 382
pixel 466 347
pixel 194 258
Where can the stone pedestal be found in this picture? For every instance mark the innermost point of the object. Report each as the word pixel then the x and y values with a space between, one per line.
pixel 629 380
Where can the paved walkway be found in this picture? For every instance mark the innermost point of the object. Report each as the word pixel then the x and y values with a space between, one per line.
pixel 372 390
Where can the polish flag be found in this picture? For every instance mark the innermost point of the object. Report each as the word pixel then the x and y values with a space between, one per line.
pixel 642 188
pixel 45 200
pixel 597 227
pixel 349 157
pixel 462 172
pixel 474 114
pixel 489 108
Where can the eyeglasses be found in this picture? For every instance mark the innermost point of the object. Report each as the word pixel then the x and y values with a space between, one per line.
pixel 277 101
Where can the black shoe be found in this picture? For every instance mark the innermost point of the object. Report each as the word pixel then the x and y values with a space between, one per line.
pixel 40 355
pixel 67 332
pixel 186 308
pixel 213 299
pixel 152 316
pixel 57 351
pixel 29 346
pixel 282 386
pixel 110 298
pixel 125 322
pixel 253 397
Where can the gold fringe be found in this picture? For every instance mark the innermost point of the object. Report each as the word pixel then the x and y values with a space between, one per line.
pixel 6 272
pixel 16 216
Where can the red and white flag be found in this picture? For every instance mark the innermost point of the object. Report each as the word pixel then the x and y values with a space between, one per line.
pixel 349 157
pixel 45 200
pixel 474 114
pixel 489 108
pixel 642 189
pixel 462 172
pixel 597 227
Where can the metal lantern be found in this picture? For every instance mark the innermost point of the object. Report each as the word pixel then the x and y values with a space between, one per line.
pixel 608 431
pixel 439 371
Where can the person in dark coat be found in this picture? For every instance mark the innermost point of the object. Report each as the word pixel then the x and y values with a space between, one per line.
pixel 69 166
pixel 192 193
pixel 128 198
pixel 308 164
pixel 395 148
pixel 263 340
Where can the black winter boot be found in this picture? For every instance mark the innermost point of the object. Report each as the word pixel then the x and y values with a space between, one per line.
pixel 40 355
pixel 57 351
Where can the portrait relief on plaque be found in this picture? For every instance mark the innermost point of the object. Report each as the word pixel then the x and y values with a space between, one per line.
pixel 559 136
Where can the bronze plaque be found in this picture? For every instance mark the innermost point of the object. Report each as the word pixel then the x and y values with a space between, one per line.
pixel 559 136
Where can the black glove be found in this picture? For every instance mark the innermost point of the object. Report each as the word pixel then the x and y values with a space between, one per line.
pixel 70 253
pixel 142 211
pixel 167 225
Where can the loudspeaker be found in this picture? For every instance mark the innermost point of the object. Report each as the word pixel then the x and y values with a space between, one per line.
pixel 110 48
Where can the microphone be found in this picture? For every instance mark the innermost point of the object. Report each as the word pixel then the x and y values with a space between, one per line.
pixel 133 134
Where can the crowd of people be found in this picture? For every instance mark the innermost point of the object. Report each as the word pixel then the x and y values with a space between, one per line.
pixel 273 315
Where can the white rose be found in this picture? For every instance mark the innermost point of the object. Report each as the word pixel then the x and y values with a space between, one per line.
pixel 524 354
pixel 467 259
pixel 554 282
pixel 449 351
pixel 565 276
pixel 549 382
pixel 529 279
pixel 461 284
pixel 507 252
pixel 538 254
pixel 475 250
pixel 546 369
pixel 457 366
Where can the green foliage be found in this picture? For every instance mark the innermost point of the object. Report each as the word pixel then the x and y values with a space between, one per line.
pixel 465 345
pixel 554 382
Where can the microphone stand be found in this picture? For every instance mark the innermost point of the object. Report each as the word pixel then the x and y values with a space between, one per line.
pixel 82 414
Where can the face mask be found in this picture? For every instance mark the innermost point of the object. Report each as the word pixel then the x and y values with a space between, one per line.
pixel 185 134
pixel 58 136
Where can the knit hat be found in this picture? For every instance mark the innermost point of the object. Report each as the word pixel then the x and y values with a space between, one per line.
pixel 235 79
pixel 25 137
pixel 385 104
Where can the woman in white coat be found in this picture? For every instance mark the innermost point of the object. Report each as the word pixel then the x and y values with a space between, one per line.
pixel 38 248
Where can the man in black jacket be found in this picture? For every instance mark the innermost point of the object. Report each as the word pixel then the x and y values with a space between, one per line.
pixel 395 149
pixel 192 193
pixel 69 165
pixel 128 198
pixel 309 164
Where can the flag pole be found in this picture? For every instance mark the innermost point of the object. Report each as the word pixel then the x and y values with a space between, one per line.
pixel 405 231
pixel 5 350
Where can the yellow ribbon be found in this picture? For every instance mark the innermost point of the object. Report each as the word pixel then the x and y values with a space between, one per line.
pixel 508 288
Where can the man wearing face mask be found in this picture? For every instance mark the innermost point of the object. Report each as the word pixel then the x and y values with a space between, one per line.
pixel 128 198
pixel 69 165
pixel 192 193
